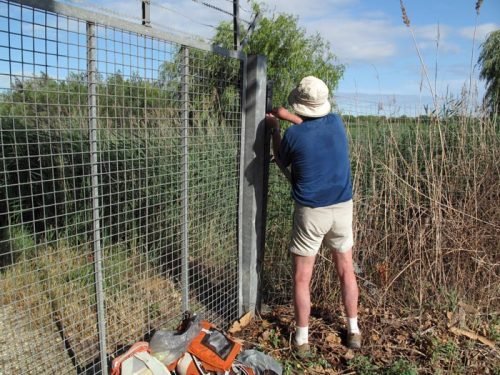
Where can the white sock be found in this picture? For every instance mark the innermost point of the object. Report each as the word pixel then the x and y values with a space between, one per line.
pixel 352 325
pixel 301 335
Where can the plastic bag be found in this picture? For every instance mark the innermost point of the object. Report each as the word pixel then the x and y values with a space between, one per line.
pixel 260 362
pixel 168 346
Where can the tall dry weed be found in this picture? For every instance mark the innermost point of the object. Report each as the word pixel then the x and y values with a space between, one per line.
pixel 429 219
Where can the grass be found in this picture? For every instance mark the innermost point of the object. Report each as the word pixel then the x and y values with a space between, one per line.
pixel 445 358
pixel 425 217
pixel 402 367
pixel 55 288
pixel 363 365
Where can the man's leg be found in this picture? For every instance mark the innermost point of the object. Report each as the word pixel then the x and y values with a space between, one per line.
pixel 350 295
pixel 302 273
pixel 348 284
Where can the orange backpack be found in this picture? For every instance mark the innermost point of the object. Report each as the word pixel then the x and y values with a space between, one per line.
pixel 211 352
pixel 214 348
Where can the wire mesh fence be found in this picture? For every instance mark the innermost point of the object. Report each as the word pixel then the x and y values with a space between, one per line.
pixel 119 188
pixel 120 193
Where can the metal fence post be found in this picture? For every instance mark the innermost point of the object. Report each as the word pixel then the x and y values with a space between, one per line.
pixel 252 184
pixel 146 19
pixel 92 103
pixel 236 24
pixel 185 177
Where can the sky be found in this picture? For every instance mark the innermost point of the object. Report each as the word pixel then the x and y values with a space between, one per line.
pixel 384 59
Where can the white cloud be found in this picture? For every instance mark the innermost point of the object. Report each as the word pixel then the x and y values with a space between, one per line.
pixel 358 40
pixel 432 32
pixel 305 9
pixel 481 31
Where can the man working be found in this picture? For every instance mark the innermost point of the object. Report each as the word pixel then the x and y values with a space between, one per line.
pixel 317 149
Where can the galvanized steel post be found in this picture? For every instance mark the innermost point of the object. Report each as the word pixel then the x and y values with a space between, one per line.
pixel 185 177
pixel 98 259
pixel 252 196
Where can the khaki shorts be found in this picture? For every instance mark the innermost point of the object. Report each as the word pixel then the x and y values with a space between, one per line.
pixel 312 226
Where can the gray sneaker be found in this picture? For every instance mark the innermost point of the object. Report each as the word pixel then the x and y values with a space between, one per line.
pixel 354 340
pixel 304 351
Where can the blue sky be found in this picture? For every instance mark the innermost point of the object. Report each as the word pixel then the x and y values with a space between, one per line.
pixel 367 36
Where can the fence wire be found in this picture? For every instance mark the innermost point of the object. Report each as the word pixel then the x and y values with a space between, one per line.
pixel 119 189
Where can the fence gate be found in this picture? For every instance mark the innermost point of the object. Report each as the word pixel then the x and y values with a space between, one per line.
pixel 125 185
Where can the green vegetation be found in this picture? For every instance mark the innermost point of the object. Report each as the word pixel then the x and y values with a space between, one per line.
pixel 489 60
pixel 445 358
pixel 45 139
pixel 401 367
pixel 363 365
pixel 290 51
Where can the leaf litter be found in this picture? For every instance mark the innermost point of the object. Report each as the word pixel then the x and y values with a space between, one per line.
pixel 429 342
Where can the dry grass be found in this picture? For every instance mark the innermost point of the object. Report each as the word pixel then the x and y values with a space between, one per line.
pixel 427 218
pixel 430 226
pixel 53 291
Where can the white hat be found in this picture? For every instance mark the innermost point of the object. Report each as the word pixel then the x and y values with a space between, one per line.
pixel 310 98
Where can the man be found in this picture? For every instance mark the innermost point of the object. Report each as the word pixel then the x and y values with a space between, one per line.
pixel 317 149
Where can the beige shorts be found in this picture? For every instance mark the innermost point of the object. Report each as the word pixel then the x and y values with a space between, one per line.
pixel 331 225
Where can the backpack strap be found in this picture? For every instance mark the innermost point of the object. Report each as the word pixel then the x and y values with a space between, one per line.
pixel 188 364
pixel 116 365
pixel 140 351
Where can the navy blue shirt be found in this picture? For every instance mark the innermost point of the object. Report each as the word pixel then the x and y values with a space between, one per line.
pixel 318 151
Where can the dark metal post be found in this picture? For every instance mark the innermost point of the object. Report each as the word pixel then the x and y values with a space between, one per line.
pixel 236 23
pixel 146 19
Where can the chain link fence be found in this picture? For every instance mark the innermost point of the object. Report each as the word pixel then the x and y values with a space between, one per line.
pixel 120 186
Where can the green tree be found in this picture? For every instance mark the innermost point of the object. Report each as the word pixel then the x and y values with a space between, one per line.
pixel 489 59
pixel 291 53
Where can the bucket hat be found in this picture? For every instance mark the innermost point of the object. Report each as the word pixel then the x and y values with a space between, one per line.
pixel 310 98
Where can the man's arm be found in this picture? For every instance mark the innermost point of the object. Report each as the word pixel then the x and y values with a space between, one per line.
pixel 273 124
pixel 283 114
pixel 274 127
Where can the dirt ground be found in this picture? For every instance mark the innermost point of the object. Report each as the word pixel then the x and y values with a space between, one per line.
pixel 463 341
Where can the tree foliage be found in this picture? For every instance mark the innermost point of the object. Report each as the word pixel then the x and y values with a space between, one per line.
pixel 291 53
pixel 489 59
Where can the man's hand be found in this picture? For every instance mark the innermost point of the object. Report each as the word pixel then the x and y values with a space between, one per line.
pixel 272 122
pixel 273 125
pixel 283 114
